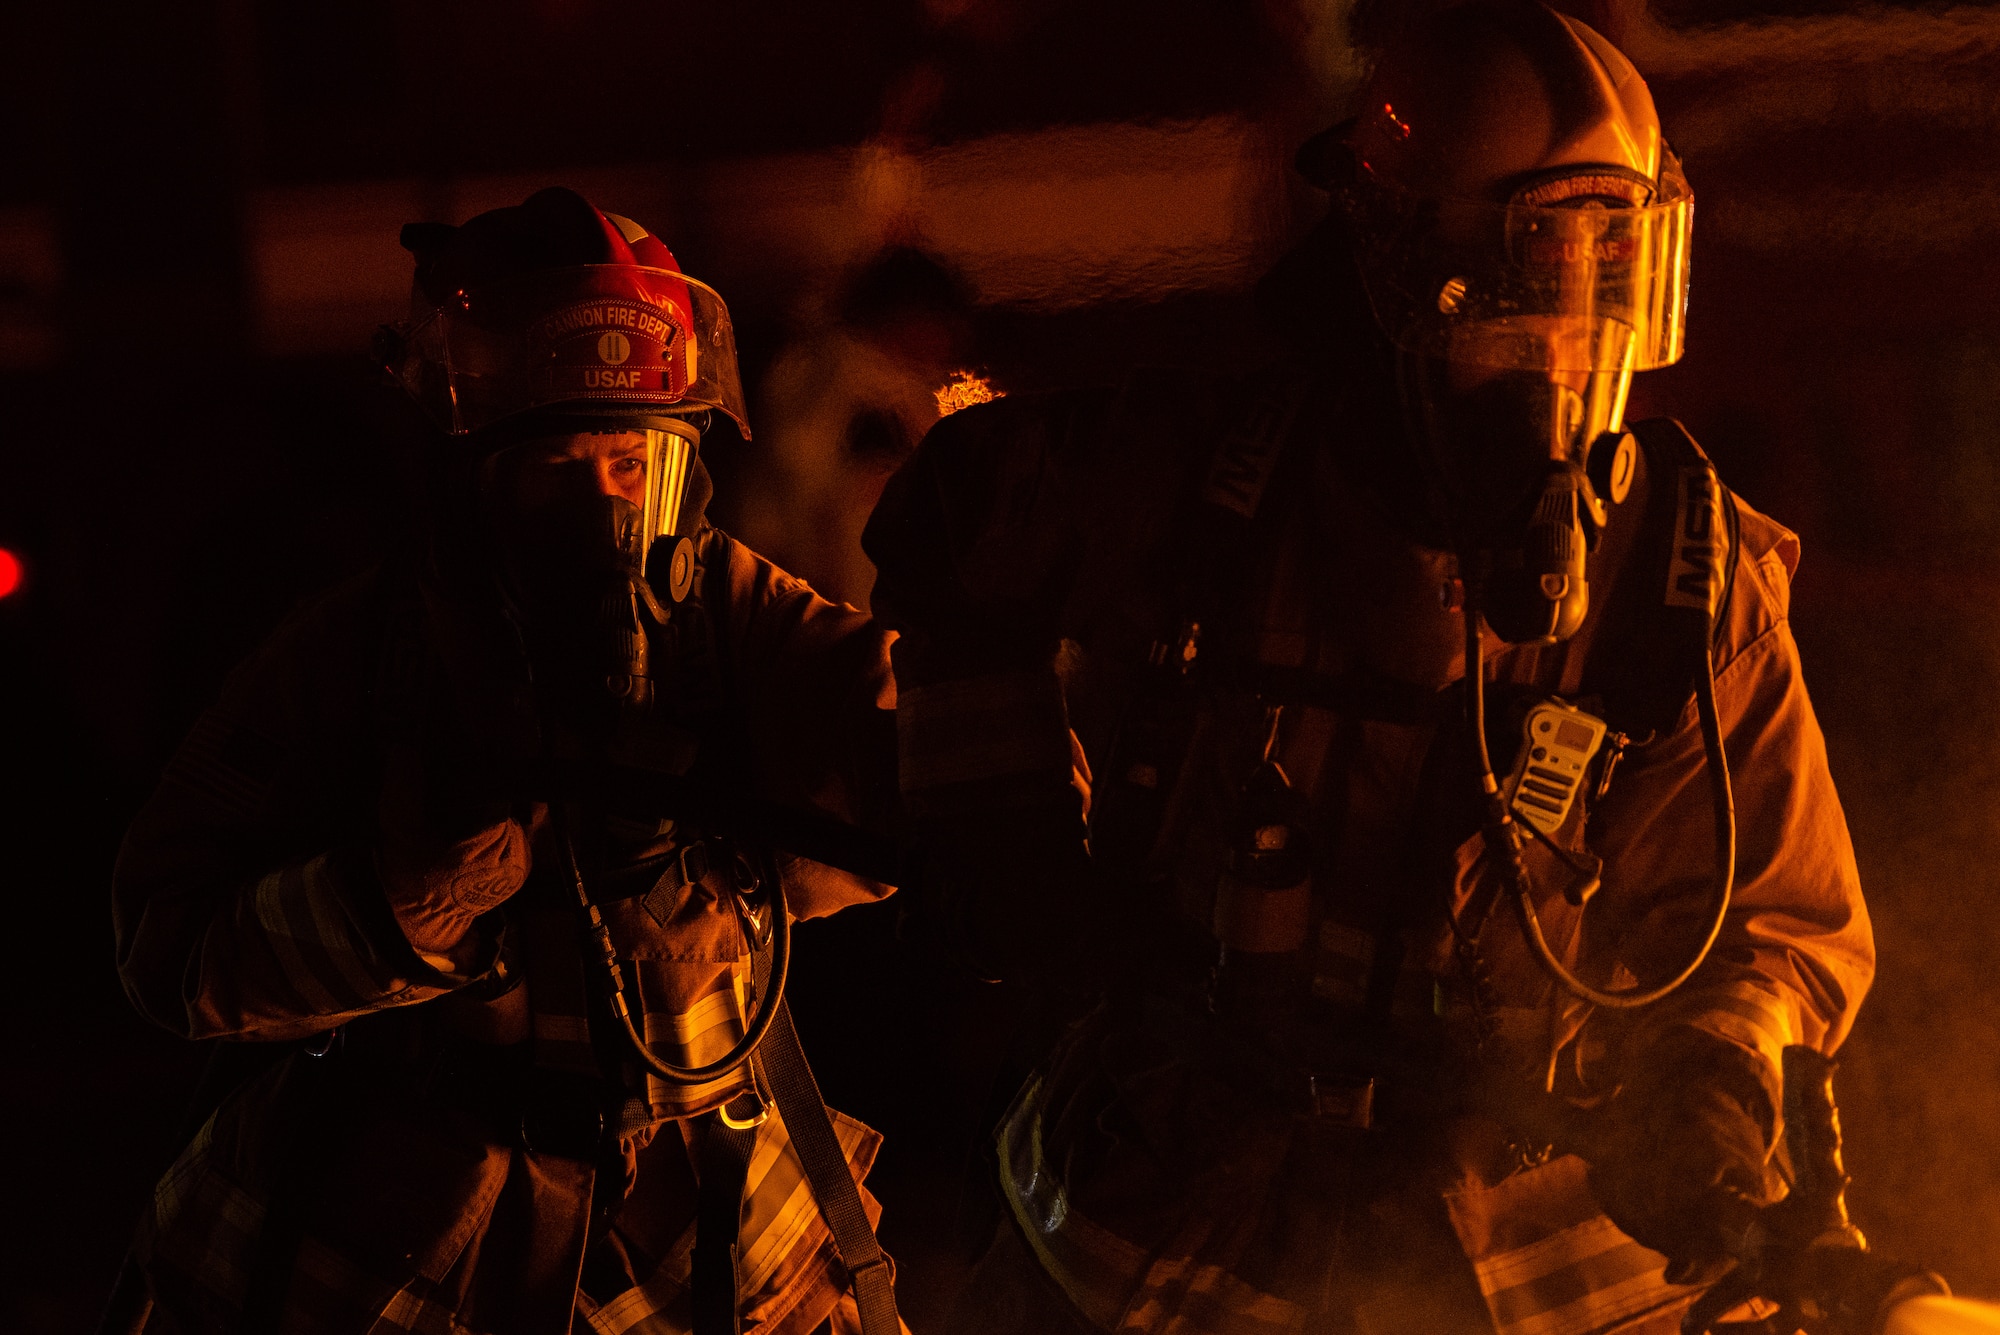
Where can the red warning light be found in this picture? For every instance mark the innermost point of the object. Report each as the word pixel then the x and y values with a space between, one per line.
pixel 10 572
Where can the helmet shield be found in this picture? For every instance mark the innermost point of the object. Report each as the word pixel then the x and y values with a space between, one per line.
pixel 1523 286
pixel 597 336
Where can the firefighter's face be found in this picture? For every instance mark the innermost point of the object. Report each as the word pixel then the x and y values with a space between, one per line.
pixel 567 513
pixel 548 471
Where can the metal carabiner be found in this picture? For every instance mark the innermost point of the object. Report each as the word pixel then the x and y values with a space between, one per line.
pixel 749 1109
pixel 747 893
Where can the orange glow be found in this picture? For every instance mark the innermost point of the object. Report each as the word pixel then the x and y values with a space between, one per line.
pixel 10 572
pixel 964 389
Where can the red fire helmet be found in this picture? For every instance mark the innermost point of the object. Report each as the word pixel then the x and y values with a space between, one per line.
pixel 553 306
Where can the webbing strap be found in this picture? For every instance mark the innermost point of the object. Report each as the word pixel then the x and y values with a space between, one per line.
pixel 725 1164
pixel 791 1083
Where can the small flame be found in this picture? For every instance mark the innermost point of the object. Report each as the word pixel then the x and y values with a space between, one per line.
pixel 964 389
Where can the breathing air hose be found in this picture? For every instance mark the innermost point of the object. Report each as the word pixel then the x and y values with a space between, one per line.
pixel 1503 835
pixel 614 975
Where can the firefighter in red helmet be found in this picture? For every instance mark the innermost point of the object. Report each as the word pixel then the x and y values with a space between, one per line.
pixel 1459 855
pixel 495 851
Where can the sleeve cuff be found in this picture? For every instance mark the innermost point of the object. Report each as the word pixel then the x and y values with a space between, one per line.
pixel 1005 725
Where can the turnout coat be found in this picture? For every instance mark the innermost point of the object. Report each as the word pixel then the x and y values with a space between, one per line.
pixel 1173 1170
pixel 425 1155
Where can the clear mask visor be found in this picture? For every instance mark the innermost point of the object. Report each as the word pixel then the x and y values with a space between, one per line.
pixel 1544 288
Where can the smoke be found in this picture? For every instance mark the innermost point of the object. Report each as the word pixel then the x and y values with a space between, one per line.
pixel 1909 731
pixel 839 413
pixel 1864 134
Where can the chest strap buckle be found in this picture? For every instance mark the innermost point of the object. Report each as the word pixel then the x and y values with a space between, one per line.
pixel 685 870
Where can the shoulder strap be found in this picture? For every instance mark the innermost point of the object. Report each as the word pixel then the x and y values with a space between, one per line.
pixel 1663 604
pixel 693 644
pixel 792 1085
pixel 1249 451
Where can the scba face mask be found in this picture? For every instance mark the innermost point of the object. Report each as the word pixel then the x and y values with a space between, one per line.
pixel 585 527
pixel 1520 468
pixel 1517 329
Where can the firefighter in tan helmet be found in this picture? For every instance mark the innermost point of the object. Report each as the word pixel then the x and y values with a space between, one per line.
pixel 1411 752
pixel 495 849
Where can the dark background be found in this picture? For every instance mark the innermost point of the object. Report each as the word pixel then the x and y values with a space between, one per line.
pixel 197 217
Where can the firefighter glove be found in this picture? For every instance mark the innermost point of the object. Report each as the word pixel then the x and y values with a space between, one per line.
pixel 1681 1162
pixel 445 852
